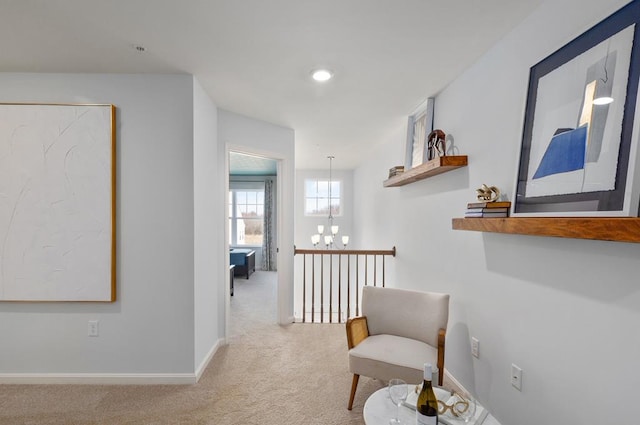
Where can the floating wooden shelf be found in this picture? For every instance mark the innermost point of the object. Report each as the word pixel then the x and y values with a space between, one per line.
pixel 431 168
pixel 621 229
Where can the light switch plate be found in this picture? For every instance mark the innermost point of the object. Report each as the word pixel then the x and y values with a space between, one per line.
pixel 516 377
pixel 475 347
pixel 93 328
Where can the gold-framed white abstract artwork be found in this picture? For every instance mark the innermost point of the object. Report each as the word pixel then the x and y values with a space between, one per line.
pixel 57 202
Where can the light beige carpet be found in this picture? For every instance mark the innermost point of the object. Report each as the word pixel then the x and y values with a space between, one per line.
pixel 267 374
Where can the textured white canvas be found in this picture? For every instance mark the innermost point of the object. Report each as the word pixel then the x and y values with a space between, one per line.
pixel 55 202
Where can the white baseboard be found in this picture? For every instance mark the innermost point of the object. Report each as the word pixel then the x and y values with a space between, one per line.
pixel 99 378
pixel 454 384
pixel 205 362
pixel 112 378
pixel 457 386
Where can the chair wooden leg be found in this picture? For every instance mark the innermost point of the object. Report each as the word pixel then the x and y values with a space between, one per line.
pixel 441 340
pixel 354 385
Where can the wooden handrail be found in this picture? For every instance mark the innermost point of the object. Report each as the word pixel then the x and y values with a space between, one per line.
pixel 391 252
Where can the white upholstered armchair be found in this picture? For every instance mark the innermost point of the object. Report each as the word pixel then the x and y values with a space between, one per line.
pixel 398 332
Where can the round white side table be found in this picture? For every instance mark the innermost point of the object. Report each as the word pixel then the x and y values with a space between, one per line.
pixel 379 409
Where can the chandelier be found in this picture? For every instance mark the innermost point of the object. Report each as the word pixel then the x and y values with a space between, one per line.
pixel 330 238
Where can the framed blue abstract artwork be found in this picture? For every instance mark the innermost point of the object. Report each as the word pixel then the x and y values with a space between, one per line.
pixel 580 136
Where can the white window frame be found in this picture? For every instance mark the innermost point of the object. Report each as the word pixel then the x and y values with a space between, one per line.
pixel 235 187
pixel 338 198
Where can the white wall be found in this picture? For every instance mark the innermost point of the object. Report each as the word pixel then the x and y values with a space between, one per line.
pixel 565 310
pixel 149 330
pixel 246 135
pixel 208 188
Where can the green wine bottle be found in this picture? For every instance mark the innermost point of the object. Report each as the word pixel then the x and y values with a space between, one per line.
pixel 427 405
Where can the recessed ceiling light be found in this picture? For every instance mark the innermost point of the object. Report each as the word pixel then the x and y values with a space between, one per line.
pixel 321 75
pixel 605 100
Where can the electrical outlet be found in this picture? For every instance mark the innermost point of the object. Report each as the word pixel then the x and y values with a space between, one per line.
pixel 516 377
pixel 475 347
pixel 93 328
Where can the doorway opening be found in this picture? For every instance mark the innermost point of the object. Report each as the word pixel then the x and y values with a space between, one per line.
pixel 253 235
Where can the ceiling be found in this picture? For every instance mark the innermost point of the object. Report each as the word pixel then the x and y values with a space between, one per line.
pixel 254 57
pixel 249 165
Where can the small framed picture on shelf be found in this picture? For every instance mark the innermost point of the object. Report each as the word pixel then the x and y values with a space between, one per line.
pixel 419 126
pixel 581 127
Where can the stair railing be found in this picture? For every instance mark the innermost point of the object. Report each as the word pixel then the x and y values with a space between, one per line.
pixel 341 284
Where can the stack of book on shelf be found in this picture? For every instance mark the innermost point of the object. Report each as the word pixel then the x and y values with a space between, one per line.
pixel 494 209
pixel 394 171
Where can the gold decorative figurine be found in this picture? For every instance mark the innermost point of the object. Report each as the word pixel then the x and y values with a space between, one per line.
pixel 488 193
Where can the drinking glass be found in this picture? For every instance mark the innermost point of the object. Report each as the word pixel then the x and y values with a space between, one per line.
pixel 398 392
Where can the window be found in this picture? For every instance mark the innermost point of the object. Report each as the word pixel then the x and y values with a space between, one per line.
pixel 316 197
pixel 246 215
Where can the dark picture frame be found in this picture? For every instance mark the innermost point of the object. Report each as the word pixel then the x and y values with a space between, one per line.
pixel 578 156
